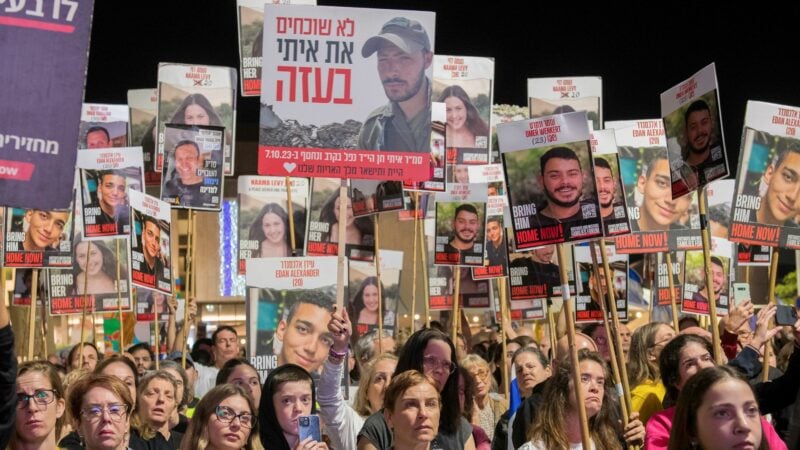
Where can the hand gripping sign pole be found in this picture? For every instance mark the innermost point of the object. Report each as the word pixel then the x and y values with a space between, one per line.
pixel 773 278
pixel 712 303
pixel 573 351
pixel 672 302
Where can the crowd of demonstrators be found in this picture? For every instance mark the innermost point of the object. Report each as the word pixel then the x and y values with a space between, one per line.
pixel 426 392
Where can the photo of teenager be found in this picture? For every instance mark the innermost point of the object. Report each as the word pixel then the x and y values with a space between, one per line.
pixel 150 242
pixel 363 301
pixel 323 227
pixel 767 195
pixel 37 238
pixel 693 125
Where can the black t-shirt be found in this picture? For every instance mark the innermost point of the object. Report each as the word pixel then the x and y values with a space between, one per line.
pixel 376 431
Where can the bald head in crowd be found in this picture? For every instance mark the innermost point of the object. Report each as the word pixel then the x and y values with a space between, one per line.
pixel 581 341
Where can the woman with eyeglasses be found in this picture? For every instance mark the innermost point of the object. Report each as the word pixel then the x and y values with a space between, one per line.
pixel 431 352
pixel 155 404
pixel 99 406
pixel 290 394
pixel 647 392
pixel 223 420
pixel 40 407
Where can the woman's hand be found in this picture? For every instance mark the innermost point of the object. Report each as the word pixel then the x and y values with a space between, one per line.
pixel 340 328
pixel 763 333
pixel 634 431
pixel 310 444
pixel 737 316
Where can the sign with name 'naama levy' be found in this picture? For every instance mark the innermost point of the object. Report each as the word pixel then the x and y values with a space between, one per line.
pixel 346 93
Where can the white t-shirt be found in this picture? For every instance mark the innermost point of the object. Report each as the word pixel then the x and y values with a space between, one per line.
pixel 206 379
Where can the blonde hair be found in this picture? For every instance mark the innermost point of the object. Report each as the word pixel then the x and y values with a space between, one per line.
pixel 138 423
pixel 361 402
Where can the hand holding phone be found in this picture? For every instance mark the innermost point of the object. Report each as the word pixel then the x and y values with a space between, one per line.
pixel 308 426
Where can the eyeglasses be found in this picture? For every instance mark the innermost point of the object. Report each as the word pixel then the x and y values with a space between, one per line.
pixel 226 415
pixel 41 397
pixel 479 374
pixel 433 363
pixel 115 412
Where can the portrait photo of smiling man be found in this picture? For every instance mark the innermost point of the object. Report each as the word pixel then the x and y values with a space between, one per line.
pixel 460 233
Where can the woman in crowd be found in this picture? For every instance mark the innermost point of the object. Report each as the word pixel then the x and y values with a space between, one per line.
pixel 40 407
pixel 557 424
pixel 718 410
pixel 342 423
pixel 223 420
pixel 365 304
pixel 431 352
pixel 85 355
pixel 196 110
pixel 466 401
pixel 464 123
pixel 240 372
pixel 680 361
pixel 357 228
pixel 532 368
pixel 122 368
pixel 290 394
pixel 271 230
pixel 647 392
pixel 183 394
pixel 488 405
pixel 98 274
pixel 155 406
pixel 99 406
pixel 413 408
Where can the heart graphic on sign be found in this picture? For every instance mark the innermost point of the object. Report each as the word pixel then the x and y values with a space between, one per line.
pixel 289 167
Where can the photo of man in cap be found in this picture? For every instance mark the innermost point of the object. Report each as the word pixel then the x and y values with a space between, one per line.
pixel 404 54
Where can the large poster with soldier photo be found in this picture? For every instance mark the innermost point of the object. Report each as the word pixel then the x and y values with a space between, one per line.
pixel 658 222
pixel 548 96
pixel 289 305
pixel 550 180
pixel 106 178
pixel 765 207
pixel 339 83
pixel 103 126
pixel 197 95
pixel 693 126
pixel 265 223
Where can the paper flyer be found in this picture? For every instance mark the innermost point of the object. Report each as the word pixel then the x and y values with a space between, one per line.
pixel 693 124
pixel 765 208
pixel 264 221
pixel 695 294
pixel 461 226
pixel 192 172
pixel 325 108
pixel 415 210
pixel 250 15
pixel 610 190
pixel 106 178
pixel 550 180
pixel 362 301
pixel 465 85
pixel 103 126
pixel 143 107
pixel 591 291
pixel 323 227
pixel 375 196
pixel 661 282
pixel 150 302
pixel 37 238
pixel 548 96
pixel 197 95
pixel 151 263
pixel 289 305
pixel 42 79
pixel 658 223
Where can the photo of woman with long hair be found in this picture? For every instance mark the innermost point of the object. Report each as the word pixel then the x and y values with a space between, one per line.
pixel 464 123
pixel 271 230
pixel 94 268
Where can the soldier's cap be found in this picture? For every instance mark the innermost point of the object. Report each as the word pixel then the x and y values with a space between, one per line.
pixel 408 35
